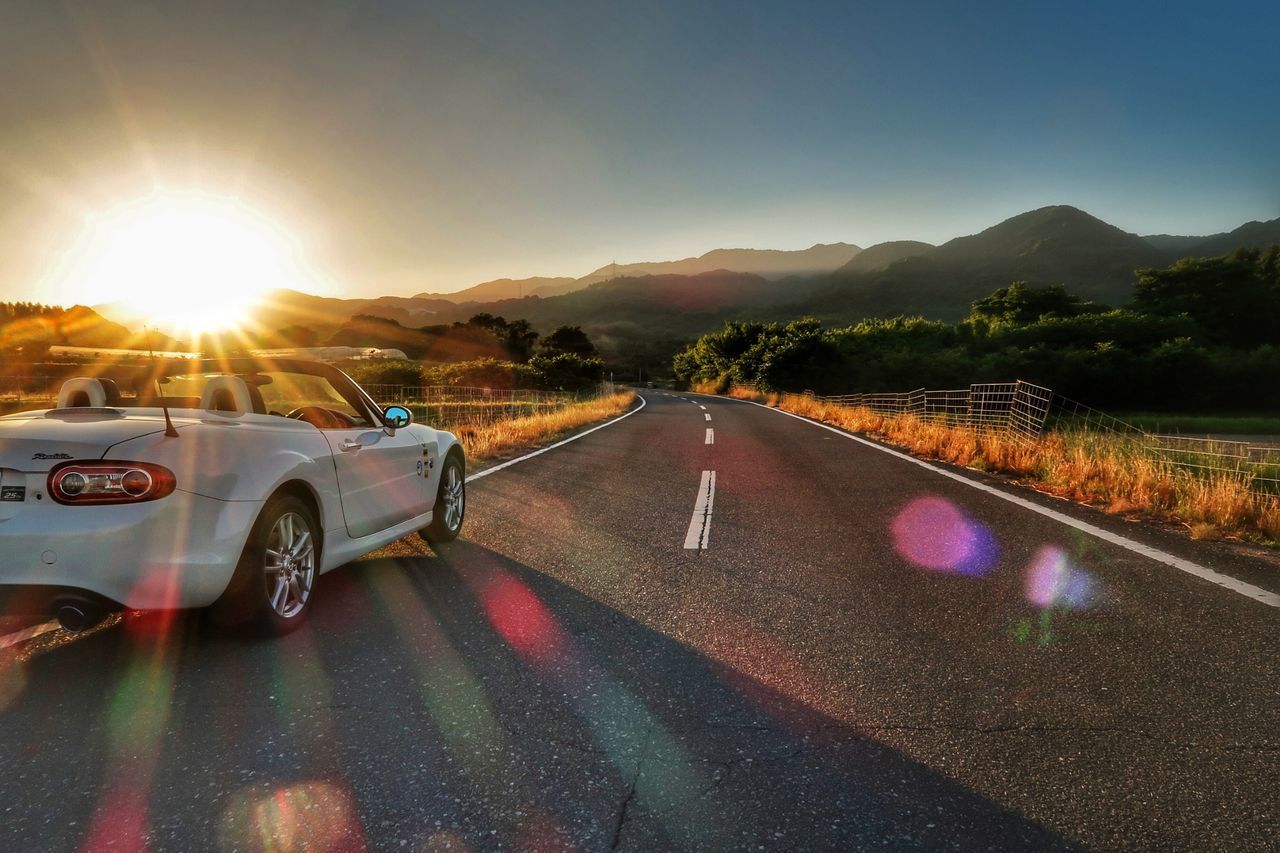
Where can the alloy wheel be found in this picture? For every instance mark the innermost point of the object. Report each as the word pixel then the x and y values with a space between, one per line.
pixel 454 492
pixel 290 564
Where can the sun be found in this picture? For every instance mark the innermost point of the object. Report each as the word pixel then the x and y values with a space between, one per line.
pixel 188 263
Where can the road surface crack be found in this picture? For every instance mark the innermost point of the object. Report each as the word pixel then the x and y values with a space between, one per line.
pixel 624 808
pixel 728 766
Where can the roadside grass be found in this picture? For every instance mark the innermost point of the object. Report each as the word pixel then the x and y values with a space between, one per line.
pixel 505 437
pixel 1111 472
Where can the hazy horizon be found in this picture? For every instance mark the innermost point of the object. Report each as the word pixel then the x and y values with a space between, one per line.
pixel 404 149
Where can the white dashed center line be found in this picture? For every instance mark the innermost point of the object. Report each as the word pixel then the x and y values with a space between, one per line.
pixel 711 436
pixel 707 415
pixel 700 525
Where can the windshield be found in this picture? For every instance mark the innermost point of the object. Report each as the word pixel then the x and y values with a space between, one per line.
pixel 270 392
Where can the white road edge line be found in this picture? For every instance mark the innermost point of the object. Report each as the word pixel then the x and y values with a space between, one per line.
pixel 1248 590
pixel 711 436
pixel 487 471
pixel 700 524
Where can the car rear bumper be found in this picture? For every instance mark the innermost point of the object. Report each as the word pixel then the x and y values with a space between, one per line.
pixel 176 552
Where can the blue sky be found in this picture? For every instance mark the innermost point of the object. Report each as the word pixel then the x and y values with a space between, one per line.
pixel 418 146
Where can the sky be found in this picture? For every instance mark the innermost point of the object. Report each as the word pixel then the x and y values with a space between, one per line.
pixel 409 147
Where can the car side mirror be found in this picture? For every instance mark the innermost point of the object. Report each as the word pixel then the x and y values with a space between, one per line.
pixel 396 417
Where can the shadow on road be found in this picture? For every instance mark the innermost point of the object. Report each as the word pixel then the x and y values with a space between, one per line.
pixel 462 700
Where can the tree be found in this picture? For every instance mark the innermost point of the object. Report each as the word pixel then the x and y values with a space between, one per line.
pixel 1234 298
pixel 715 354
pixel 569 340
pixel 517 336
pixel 567 371
pixel 1019 304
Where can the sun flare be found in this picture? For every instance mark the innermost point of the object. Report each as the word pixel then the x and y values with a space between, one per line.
pixel 187 263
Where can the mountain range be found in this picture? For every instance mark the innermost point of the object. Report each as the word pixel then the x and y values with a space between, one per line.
pixel 626 305
pixel 766 263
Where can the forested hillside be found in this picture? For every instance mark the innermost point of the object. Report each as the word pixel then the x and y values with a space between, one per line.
pixel 1200 334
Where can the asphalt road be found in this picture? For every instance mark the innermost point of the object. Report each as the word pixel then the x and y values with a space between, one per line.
pixel 855 653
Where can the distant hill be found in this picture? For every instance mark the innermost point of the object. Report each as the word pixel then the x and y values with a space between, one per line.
pixel 77 326
pixel 508 288
pixel 879 256
pixel 280 309
pixel 1174 243
pixel 1052 245
pixel 1251 235
pixel 766 263
pixel 440 343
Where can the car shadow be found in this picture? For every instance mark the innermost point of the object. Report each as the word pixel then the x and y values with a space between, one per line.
pixel 463 700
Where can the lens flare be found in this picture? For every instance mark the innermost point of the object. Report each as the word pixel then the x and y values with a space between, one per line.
pixel 935 534
pixel 310 815
pixel 522 619
pixel 1052 581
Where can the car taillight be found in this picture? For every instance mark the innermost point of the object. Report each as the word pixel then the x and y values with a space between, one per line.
pixel 109 482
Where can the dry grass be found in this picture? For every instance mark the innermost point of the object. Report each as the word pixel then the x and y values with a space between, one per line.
pixel 716 386
pixel 1107 471
pixel 503 438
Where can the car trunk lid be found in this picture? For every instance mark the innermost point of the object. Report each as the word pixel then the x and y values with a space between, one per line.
pixel 37 441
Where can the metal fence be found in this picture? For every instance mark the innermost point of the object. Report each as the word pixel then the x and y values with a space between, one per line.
pixel 439 405
pixel 1019 408
pixel 1027 411
pixel 1256 461
pixel 455 406
pixel 16 391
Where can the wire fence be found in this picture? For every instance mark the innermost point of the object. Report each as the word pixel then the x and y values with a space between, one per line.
pixel 439 405
pixel 1026 412
pixel 16 392
pixel 1018 408
pixel 456 406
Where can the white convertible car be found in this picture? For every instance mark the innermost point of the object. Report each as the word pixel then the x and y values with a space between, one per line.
pixel 233 482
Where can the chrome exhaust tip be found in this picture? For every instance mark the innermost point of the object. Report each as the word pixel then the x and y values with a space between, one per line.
pixel 76 616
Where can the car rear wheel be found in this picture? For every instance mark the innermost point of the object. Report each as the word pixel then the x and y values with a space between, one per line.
pixel 272 590
pixel 451 504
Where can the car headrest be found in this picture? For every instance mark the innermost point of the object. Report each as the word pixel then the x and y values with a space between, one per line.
pixel 226 394
pixel 88 392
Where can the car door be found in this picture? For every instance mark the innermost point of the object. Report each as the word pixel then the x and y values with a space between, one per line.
pixel 383 477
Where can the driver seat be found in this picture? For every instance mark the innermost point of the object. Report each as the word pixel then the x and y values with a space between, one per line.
pixel 226 394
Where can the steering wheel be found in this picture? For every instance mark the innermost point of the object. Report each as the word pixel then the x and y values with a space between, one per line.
pixel 322 418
